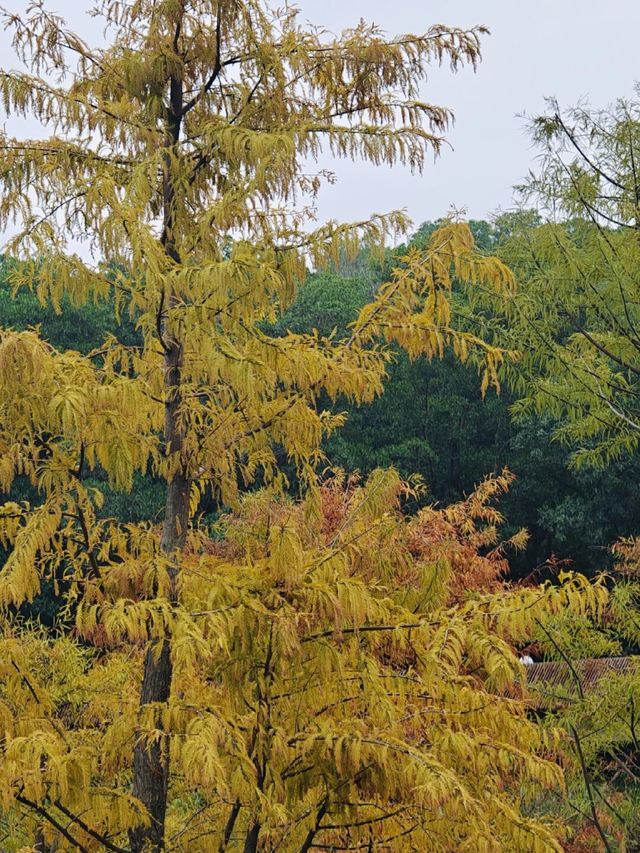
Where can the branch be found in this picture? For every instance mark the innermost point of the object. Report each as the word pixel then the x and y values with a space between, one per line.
pixel 621 362
pixel 87 540
pixel 217 67
pixel 625 418
pixel 159 324
pixel 308 842
pixel 50 819
pixel 92 832
pixel 228 829
pixel 585 773
pixel 572 139
pixel 363 629
pixel 565 658
pixel 39 85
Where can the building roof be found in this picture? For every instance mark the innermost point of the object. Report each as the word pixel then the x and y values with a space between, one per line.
pixel 554 683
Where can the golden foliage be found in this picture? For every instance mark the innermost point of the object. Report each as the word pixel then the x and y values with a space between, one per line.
pixel 332 681
pixel 333 676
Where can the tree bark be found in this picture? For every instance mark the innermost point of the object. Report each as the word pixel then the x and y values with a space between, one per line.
pixel 151 761
pixel 251 841
pixel 228 830
pixel 41 845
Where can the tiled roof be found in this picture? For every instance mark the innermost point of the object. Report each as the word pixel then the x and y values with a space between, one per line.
pixel 553 683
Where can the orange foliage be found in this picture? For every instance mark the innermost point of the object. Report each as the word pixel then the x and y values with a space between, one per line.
pixel 627 554
pixel 462 540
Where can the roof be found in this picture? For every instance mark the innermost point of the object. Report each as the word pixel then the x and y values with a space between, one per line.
pixel 553 683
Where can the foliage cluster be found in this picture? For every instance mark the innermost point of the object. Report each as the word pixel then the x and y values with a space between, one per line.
pixel 337 682
pixel 600 717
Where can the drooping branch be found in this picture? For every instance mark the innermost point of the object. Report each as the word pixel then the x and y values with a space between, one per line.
pixel 97 836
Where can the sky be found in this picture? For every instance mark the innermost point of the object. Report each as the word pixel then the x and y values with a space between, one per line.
pixel 570 49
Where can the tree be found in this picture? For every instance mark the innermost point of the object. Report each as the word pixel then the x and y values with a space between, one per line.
pixel 596 703
pixel 576 312
pixel 178 151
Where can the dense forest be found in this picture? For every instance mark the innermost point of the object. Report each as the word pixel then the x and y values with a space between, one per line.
pixel 312 536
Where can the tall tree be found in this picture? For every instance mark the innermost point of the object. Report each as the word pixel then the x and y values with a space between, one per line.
pixel 576 310
pixel 179 153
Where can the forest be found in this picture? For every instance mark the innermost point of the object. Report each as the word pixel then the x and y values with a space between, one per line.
pixel 314 536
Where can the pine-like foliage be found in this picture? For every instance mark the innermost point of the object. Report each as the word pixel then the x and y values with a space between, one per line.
pixel 575 311
pixel 307 688
pixel 576 314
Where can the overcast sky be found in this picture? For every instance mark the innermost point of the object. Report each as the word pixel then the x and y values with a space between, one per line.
pixel 570 49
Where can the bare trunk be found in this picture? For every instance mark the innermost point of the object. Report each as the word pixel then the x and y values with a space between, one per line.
pixel 151 761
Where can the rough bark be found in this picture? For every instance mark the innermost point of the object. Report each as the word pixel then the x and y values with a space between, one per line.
pixel 151 761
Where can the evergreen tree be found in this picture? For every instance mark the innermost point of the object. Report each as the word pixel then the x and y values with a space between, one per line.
pixel 576 309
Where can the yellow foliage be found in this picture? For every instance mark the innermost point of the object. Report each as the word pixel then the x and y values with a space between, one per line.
pixel 322 684
pixel 319 678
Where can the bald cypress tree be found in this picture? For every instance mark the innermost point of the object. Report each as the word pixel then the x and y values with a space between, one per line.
pixel 575 313
pixel 180 153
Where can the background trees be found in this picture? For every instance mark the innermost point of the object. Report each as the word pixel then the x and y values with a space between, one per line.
pixel 576 313
pixel 432 419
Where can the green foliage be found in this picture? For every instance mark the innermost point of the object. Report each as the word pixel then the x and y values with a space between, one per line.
pixel 432 420
pixel 571 513
pixel 77 327
pixel 599 716
pixel 576 313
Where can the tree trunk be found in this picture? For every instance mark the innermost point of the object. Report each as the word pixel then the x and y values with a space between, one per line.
pixel 151 761
pixel 41 845
pixel 251 841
